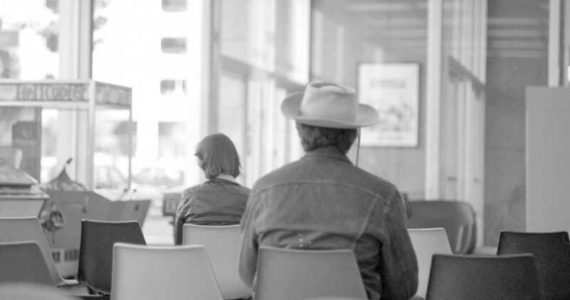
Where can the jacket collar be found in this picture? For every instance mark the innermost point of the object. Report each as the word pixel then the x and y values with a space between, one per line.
pixel 329 151
pixel 224 178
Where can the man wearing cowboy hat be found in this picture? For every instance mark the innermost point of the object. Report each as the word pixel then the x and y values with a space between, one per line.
pixel 322 201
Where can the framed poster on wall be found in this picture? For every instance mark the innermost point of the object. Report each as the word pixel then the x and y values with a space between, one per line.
pixel 393 90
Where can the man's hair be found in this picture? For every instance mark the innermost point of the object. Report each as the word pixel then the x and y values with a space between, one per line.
pixel 218 155
pixel 313 137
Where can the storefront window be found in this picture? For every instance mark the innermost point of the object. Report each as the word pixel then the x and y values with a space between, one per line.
pixel 162 68
pixel 271 35
pixel 263 59
pixel 29 39
pixel 155 48
pixel 462 102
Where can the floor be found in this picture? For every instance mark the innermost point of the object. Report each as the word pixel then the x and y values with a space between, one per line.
pixel 157 229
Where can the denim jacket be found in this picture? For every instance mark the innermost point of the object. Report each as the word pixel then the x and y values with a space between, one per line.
pixel 322 201
pixel 214 202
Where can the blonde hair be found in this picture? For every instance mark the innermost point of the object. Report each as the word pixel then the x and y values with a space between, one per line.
pixel 218 155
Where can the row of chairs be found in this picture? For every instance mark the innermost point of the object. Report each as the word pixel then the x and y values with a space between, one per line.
pixel 115 260
pixel 527 266
pixel 23 240
pixel 214 264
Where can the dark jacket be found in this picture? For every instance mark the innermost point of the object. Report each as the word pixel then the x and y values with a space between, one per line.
pixel 322 201
pixel 214 202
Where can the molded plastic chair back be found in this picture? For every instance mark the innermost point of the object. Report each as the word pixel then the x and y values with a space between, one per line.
pixel 27 291
pixel 23 262
pixel 469 277
pixel 162 272
pixel 96 250
pixel 458 219
pixel 223 244
pixel 288 274
pixel 29 229
pixel 552 254
pixel 334 298
pixel 427 242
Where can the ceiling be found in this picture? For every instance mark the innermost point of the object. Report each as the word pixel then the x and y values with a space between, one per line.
pixel 515 28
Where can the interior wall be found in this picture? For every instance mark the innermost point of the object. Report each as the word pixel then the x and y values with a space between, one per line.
pixel 507 78
pixel 548 158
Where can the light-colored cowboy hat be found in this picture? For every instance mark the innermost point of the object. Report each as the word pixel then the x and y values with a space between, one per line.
pixel 328 105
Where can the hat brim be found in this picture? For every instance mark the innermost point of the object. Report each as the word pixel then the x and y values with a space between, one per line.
pixel 366 115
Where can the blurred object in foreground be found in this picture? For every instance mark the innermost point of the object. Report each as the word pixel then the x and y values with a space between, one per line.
pixel 63 182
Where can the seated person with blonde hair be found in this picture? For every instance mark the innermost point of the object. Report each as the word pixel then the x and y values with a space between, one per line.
pixel 220 200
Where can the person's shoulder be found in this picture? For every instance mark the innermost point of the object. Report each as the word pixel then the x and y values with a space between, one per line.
pixel 242 189
pixel 194 189
pixel 373 183
pixel 279 175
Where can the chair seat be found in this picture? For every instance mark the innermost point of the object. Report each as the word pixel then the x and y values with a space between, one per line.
pixel 96 250
pixel 299 274
pixel 426 243
pixel 551 251
pixel 29 229
pixel 23 262
pixel 223 244
pixel 153 272
pixel 470 277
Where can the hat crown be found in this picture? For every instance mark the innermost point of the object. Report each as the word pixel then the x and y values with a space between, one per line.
pixel 331 101
pixel 324 104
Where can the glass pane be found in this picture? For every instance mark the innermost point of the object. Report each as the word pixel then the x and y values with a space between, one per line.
pixel 36 141
pixel 234 31
pixel 20 138
pixel 166 87
pixel 231 115
pixel 350 35
pixel 29 39
pixel 292 39
pixel 112 149
pixel 154 48
pixel 267 34
pixel 265 47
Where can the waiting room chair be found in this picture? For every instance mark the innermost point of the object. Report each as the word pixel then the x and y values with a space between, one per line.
pixel 96 250
pixel 426 243
pixel 458 219
pixel 334 298
pixel 23 262
pixel 29 229
pixel 470 277
pixel 289 274
pixel 551 251
pixel 162 272
pixel 27 291
pixel 223 244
